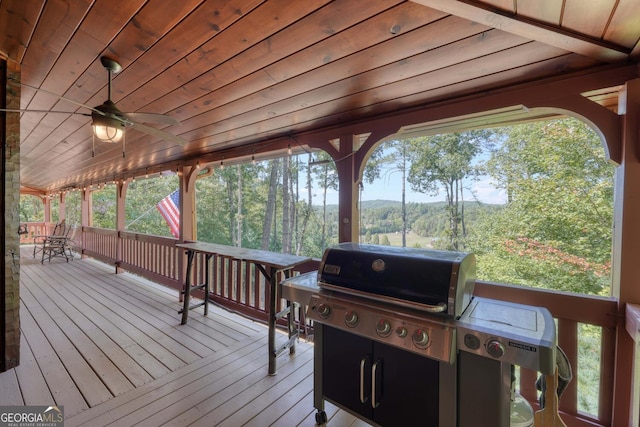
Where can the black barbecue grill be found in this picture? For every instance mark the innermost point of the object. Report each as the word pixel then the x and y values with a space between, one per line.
pixel 399 339
pixel 429 280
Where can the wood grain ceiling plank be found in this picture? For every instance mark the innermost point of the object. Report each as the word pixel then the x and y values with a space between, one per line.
pixel 337 79
pixel 107 156
pixel 368 100
pixel 547 11
pixel 84 48
pixel 466 48
pixel 342 44
pixel 519 56
pixel 197 73
pixel 188 36
pixel 467 88
pixel 50 130
pixel 149 26
pixel 152 22
pixel 506 5
pixel 218 20
pixel 624 28
pixel 470 86
pixel 591 20
pixel 18 18
pixel 353 116
pixel 276 83
pixel 321 53
pixel 57 24
pixel 554 37
pixel 334 27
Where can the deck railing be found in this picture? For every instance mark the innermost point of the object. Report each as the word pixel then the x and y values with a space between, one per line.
pixel 235 284
pixel 153 257
pixel 239 286
pixel 35 228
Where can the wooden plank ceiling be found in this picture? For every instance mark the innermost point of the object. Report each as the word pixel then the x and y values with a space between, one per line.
pixel 240 72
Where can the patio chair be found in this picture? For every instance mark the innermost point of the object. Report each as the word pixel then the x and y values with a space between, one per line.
pixel 38 240
pixel 70 243
pixel 56 245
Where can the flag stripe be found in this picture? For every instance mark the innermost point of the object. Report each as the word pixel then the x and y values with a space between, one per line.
pixel 168 208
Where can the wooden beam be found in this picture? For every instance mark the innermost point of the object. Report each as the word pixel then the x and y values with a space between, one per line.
pixel 544 33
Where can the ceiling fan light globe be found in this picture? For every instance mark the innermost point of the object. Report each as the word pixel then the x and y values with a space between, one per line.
pixel 108 133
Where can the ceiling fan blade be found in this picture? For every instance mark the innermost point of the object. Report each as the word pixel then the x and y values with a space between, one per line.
pixel 162 119
pixel 159 133
pixel 9 110
pixel 79 104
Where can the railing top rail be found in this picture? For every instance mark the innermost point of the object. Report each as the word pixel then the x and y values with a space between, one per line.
pixel 588 309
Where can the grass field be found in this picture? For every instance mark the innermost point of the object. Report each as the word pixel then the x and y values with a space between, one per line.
pixel 412 239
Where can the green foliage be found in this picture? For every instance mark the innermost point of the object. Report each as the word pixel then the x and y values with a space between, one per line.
pixel 141 214
pixel 104 207
pixel 556 230
pixel 444 163
pixel 31 208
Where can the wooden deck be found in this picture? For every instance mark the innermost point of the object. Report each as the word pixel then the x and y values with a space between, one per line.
pixel 111 350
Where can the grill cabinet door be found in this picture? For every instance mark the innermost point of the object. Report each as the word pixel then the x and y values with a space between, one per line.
pixel 409 386
pixel 406 385
pixel 344 357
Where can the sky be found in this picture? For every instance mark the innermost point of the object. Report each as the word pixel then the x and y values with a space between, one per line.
pixel 389 188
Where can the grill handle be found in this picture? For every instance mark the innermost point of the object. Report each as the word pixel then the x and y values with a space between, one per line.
pixel 435 308
pixel 363 366
pixel 374 375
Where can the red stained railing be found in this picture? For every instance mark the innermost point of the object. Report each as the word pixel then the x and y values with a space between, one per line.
pixel 100 243
pixel 35 229
pixel 237 285
pixel 153 257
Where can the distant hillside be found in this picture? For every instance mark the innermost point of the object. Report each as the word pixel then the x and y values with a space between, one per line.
pixel 423 219
pixel 375 204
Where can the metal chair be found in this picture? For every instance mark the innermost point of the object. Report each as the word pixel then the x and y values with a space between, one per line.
pixel 56 245
pixel 70 243
pixel 38 240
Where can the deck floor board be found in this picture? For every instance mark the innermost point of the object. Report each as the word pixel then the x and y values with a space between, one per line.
pixel 110 349
pixel 33 386
pixel 106 358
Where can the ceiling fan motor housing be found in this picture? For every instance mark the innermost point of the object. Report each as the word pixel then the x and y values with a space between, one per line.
pixel 108 126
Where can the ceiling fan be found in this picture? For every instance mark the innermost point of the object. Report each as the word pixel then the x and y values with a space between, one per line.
pixel 109 124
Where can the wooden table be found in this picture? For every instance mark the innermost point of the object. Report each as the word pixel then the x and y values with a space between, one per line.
pixel 269 264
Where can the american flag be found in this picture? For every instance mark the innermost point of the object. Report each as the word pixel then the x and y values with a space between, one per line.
pixel 170 211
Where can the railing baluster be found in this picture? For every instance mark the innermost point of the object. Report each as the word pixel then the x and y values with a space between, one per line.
pixel 568 341
pixel 607 364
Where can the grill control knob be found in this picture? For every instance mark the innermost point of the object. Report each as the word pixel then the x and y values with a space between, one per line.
pixel 495 348
pixel 401 331
pixel 324 310
pixel 420 338
pixel 351 319
pixel 383 328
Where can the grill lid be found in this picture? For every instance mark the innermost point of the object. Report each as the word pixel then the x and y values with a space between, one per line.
pixel 429 280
